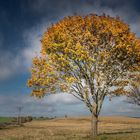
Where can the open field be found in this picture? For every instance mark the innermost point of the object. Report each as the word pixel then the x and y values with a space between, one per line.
pixel 5 119
pixel 110 128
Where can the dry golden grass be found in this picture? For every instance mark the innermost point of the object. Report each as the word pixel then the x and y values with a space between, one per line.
pixel 74 129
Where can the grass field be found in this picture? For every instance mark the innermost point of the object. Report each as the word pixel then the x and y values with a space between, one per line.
pixel 110 128
pixel 5 119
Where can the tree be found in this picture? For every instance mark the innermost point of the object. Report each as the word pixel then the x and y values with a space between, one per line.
pixel 90 57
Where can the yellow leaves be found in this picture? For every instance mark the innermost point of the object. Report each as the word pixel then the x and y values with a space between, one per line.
pixel 43 73
pixel 53 57
pixel 78 46
pixel 58 44
pixel 86 30
pixel 67 50
pixel 81 52
pixel 91 59
pixel 87 34
pixel 137 49
pixel 136 84
pixel 71 79
pixel 62 61
pixel 83 44
pixel 39 93
pixel 64 87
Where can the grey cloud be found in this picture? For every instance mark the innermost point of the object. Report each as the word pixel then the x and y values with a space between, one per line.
pixel 119 106
pixel 9 65
pixel 20 62
pixel 50 105
pixel 58 9
pixel 61 104
pixel 31 38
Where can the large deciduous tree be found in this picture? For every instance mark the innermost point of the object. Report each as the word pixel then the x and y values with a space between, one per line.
pixel 90 57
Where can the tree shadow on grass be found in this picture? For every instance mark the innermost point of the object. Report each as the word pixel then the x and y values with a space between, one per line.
pixel 120 132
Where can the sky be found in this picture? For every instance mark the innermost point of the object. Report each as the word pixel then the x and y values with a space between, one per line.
pixel 22 24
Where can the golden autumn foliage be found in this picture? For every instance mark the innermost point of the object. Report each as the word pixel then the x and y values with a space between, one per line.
pixel 77 41
pixel 88 56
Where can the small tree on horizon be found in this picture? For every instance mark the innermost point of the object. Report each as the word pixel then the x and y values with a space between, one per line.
pixel 90 57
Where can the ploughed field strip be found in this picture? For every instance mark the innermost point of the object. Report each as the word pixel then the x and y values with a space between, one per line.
pixel 69 128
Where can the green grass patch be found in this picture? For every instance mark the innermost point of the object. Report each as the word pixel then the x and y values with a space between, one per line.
pixel 6 119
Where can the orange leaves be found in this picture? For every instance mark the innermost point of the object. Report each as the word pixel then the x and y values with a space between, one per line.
pixel 120 91
pixel 80 47
pixel 121 83
pixel 43 74
pixel 30 83
pixel 36 61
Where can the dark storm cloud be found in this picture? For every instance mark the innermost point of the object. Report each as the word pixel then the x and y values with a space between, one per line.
pixel 53 9
pixel 23 23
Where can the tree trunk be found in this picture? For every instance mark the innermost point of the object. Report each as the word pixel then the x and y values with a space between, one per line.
pixel 94 125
